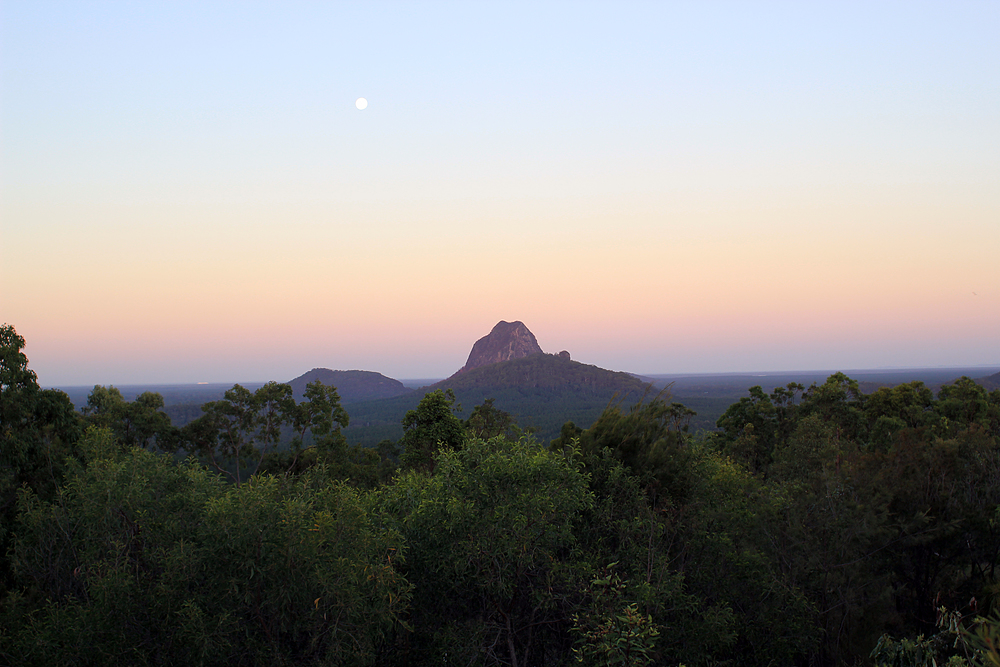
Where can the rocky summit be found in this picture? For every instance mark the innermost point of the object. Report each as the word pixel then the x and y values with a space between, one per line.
pixel 507 341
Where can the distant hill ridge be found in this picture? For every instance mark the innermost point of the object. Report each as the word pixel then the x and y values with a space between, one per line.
pixel 352 386
pixel 509 358
pixel 990 382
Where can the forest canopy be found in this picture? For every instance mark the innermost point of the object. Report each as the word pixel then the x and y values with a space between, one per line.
pixel 817 525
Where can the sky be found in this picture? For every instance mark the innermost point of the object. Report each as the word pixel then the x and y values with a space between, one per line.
pixel 188 192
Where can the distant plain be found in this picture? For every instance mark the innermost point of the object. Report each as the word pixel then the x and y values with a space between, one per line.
pixel 708 394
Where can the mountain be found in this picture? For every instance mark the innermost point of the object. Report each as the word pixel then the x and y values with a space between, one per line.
pixel 507 341
pixel 543 371
pixel 542 391
pixel 352 386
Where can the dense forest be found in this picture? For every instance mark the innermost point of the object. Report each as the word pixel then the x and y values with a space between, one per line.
pixel 816 525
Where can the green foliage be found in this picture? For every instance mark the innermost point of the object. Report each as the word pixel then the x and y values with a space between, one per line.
pixel 36 426
pixel 17 382
pixel 141 561
pixel 965 404
pixel 955 644
pixel 755 425
pixel 838 402
pixel 750 425
pixel 983 638
pixel 319 418
pixel 91 558
pixel 612 631
pixel 309 573
pixel 812 447
pixel 812 524
pixel 430 427
pixel 889 499
pixel 650 440
pixel 319 414
pixel 488 421
pixel 890 410
pixel 569 435
pixel 38 432
pixel 138 423
pixel 648 545
pixel 919 652
pixel 489 535
pixel 361 467
pixel 736 569
pixel 942 497
pixel 236 434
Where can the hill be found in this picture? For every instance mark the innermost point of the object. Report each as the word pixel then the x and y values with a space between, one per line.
pixel 542 391
pixel 990 382
pixel 539 371
pixel 352 386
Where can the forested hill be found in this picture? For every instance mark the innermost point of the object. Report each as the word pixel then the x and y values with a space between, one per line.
pixel 547 371
pixel 990 382
pixel 542 392
pixel 352 386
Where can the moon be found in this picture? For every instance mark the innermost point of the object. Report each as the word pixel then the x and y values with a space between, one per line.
pixel 361 103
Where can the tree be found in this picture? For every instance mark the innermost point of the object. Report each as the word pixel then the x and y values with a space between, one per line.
pixel 140 560
pixel 138 423
pixel 649 439
pixel 238 430
pixel 491 535
pixel 644 547
pixel 839 402
pixel 617 634
pixel 38 431
pixel 966 404
pixel 569 435
pixel 18 384
pixel 890 410
pixel 755 425
pixel 430 427
pixel 488 421
pixel 238 435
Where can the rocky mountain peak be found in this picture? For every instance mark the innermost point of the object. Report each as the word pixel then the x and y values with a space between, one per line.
pixel 507 340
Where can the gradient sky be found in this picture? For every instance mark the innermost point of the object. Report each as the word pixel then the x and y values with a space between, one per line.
pixel 189 193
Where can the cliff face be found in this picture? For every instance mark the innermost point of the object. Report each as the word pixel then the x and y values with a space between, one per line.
pixel 507 341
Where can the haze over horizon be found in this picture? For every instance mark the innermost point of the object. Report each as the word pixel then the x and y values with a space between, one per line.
pixel 188 191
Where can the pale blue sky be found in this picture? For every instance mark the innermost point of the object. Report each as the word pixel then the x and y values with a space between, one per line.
pixel 189 193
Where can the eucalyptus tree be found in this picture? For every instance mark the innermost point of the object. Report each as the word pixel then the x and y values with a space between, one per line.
pixel 141 422
pixel 236 433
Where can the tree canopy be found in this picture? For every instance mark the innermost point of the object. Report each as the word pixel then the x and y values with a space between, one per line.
pixel 816 526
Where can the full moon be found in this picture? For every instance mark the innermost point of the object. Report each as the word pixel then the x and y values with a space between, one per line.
pixel 361 103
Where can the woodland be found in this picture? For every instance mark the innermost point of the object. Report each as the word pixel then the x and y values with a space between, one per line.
pixel 814 526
